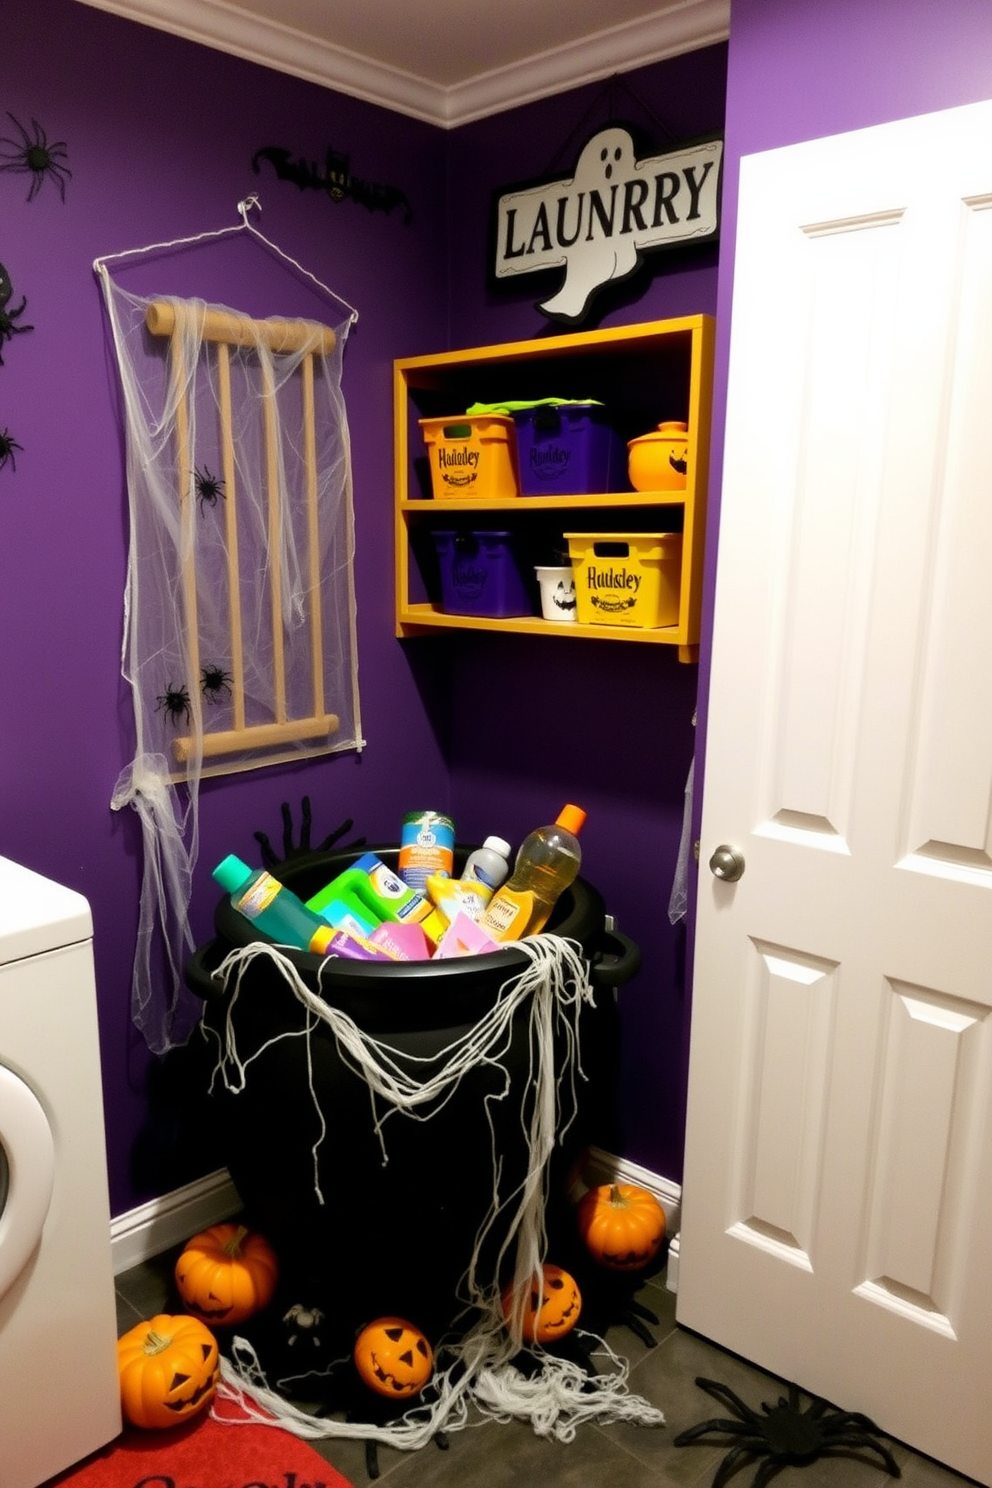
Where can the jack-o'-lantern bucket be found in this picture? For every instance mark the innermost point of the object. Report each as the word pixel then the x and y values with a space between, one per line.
pixel 557 593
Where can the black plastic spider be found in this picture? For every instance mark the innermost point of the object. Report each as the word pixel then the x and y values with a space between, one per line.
pixel 784 1435
pixel 213 681
pixel 7 317
pixel 34 155
pixel 175 703
pixel 8 444
pixel 208 487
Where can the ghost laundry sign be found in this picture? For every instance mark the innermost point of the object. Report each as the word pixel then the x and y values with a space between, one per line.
pixel 598 223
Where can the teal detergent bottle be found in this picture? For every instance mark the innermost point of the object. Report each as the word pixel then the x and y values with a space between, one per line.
pixel 272 908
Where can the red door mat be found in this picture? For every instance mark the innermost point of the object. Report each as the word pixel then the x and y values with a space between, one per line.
pixel 205 1454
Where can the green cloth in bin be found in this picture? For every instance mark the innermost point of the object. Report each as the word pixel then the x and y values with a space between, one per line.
pixel 514 407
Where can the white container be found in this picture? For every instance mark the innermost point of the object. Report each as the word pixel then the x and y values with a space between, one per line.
pixel 557 594
pixel 490 863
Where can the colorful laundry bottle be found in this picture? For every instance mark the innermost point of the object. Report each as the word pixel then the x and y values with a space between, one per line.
pixel 547 862
pixel 427 845
pixel 485 869
pixel 272 908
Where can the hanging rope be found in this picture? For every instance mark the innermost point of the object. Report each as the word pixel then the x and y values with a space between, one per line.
pixel 564 155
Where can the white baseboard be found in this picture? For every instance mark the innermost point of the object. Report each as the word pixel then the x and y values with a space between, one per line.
pixel 169 1220
pixel 672 1268
pixel 164 1222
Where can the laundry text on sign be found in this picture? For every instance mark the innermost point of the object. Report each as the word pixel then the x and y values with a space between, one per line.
pixel 599 223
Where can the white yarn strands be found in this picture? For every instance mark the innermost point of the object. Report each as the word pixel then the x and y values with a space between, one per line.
pixel 239 623
pixel 559 1396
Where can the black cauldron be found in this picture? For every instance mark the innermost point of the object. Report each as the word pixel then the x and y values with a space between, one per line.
pixel 394 1232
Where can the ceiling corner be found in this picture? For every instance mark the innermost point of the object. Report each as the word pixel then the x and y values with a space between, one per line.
pixel 672 28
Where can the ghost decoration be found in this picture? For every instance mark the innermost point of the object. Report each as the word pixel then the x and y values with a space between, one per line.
pixel 598 223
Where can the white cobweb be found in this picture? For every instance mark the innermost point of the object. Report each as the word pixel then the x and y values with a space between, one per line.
pixel 476 1378
pixel 239 622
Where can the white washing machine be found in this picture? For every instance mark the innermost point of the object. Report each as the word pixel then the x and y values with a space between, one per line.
pixel 59 1392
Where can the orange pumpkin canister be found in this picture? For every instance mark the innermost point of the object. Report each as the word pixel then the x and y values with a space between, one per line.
pixel 622 1225
pixel 226 1273
pixel 659 461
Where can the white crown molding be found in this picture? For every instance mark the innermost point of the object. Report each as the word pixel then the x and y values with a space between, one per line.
pixel 676 27
pixel 227 28
pixel 682 27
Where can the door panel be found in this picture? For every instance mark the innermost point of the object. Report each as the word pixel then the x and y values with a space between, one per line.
pixel 838 1182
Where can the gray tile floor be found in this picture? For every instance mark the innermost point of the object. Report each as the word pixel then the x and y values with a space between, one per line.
pixel 617 1456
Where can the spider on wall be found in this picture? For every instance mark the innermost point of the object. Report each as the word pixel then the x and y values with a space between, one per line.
pixel 208 487
pixel 35 155
pixel 8 444
pixel 175 704
pixel 8 330
pixel 214 681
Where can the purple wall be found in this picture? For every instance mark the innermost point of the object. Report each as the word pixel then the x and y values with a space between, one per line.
pixel 606 725
pixel 160 136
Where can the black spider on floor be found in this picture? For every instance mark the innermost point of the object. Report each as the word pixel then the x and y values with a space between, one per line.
pixel 8 330
pixel 785 1435
pixel 8 444
pixel 213 681
pixel 208 487
pixel 174 701
pixel 34 155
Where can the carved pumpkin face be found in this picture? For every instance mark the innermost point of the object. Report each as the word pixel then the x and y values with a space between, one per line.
pixel 563 595
pixel 393 1357
pixel 168 1370
pixel 622 1225
pixel 550 1312
pixel 226 1274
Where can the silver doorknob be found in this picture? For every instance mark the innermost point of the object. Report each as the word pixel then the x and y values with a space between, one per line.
pixel 727 863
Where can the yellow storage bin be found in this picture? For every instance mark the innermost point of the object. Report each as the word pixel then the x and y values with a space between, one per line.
pixel 472 455
pixel 626 578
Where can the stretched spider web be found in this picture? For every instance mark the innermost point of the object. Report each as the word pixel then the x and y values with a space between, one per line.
pixel 239 618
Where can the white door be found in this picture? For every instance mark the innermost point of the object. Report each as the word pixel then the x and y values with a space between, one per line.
pixel 837 1225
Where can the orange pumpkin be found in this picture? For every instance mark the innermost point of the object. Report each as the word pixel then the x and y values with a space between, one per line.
pixel 226 1274
pixel 393 1357
pixel 622 1225
pixel 168 1369
pixel 549 1312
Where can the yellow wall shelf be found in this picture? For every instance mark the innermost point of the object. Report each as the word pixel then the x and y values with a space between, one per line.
pixel 643 374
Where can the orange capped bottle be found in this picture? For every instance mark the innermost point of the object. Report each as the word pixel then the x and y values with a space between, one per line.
pixel 547 862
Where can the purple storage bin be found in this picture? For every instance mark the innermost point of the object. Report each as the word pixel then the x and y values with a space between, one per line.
pixel 480 575
pixel 568 450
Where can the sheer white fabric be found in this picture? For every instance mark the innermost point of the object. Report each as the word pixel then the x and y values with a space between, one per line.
pixel 679 898
pixel 239 634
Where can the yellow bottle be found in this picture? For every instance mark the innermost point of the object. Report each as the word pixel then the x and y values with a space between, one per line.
pixel 547 862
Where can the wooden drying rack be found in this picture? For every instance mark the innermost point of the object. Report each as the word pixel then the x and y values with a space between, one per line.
pixel 225 330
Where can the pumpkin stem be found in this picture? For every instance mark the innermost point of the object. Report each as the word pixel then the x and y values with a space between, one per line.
pixel 616 1197
pixel 156 1343
pixel 232 1247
